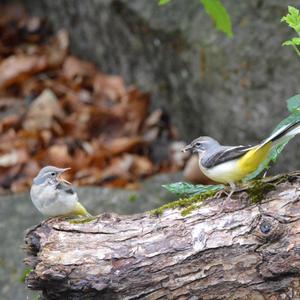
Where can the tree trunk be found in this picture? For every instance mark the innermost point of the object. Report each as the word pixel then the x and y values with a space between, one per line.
pixel 224 249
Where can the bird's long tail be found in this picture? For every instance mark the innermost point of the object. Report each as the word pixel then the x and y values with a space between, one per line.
pixel 281 135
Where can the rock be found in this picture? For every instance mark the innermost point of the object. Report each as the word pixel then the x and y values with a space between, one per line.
pixel 231 89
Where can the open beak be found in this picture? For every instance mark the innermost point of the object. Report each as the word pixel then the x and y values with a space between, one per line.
pixel 187 148
pixel 60 177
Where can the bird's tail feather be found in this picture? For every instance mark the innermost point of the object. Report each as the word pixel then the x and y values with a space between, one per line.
pixel 283 134
pixel 81 211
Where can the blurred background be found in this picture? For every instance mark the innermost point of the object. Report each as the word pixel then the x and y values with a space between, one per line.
pixel 114 89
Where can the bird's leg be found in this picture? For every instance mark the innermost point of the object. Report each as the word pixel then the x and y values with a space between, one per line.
pixel 233 188
pixel 265 173
pixel 220 193
pixel 229 194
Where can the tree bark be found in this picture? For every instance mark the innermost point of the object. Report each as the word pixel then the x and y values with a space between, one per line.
pixel 224 249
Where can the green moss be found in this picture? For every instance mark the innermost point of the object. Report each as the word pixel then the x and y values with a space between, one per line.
pixel 133 198
pixel 24 274
pixel 259 189
pixel 187 204
pixel 189 209
pixel 82 220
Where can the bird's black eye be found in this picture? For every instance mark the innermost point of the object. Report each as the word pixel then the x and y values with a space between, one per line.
pixel 53 174
pixel 199 146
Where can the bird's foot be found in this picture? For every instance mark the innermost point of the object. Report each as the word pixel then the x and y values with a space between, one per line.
pixel 229 195
pixel 220 193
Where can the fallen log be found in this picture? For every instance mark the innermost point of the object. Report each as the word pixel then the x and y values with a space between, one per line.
pixel 233 249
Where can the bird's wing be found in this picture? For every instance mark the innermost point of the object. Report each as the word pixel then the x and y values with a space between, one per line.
pixel 224 154
pixel 62 186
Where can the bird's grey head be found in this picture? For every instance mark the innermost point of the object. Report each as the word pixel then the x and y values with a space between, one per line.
pixel 201 144
pixel 49 175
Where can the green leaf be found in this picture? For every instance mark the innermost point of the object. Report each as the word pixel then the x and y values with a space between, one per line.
pixel 219 14
pixel 288 43
pixel 187 189
pixel 292 18
pixel 293 103
pixel 163 2
pixel 294 41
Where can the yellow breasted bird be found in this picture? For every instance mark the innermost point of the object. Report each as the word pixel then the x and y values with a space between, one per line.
pixel 54 196
pixel 230 164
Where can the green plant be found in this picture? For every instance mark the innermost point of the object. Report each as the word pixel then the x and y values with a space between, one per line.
pixel 216 10
pixel 185 189
pixel 293 20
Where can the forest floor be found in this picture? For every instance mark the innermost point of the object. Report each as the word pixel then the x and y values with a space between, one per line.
pixel 58 109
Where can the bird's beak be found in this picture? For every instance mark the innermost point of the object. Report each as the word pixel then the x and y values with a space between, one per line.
pixel 64 170
pixel 62 179
pixel 187 148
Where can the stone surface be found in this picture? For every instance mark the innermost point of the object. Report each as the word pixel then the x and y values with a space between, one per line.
pixel 17 214
pixel 231 89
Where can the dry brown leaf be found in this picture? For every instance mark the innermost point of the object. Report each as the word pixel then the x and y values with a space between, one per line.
pixel 119 167
pixel 88 176
pixel 8 175
pixel 9 122
pixel 31 168
pixel 17 68
pixel 57 51
pixel 42 112
pixel 112 87
pixel 154 118
pixel 20 184
pixel 77 70
pixel 137 106
pixel 105 123
pixel 119 183
pixel 81 160
pixel 123 144
pixel 14 157
pixel 142 166
pixel 58 155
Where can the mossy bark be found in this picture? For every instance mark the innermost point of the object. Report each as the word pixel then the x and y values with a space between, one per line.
pixel 233 249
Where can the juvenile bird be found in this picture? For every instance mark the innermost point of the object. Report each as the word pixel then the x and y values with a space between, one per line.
pixel 230 164
pixel 54 196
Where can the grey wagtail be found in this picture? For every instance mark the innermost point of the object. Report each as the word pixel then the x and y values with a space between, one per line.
pixel 230 164
pixel 54 196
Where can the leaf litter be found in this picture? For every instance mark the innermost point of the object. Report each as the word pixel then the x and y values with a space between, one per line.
pixel 58 109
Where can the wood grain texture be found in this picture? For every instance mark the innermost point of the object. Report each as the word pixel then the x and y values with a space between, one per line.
pixel 223 250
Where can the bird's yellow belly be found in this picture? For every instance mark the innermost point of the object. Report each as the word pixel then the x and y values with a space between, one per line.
pixel 224 173
pixel 237 169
